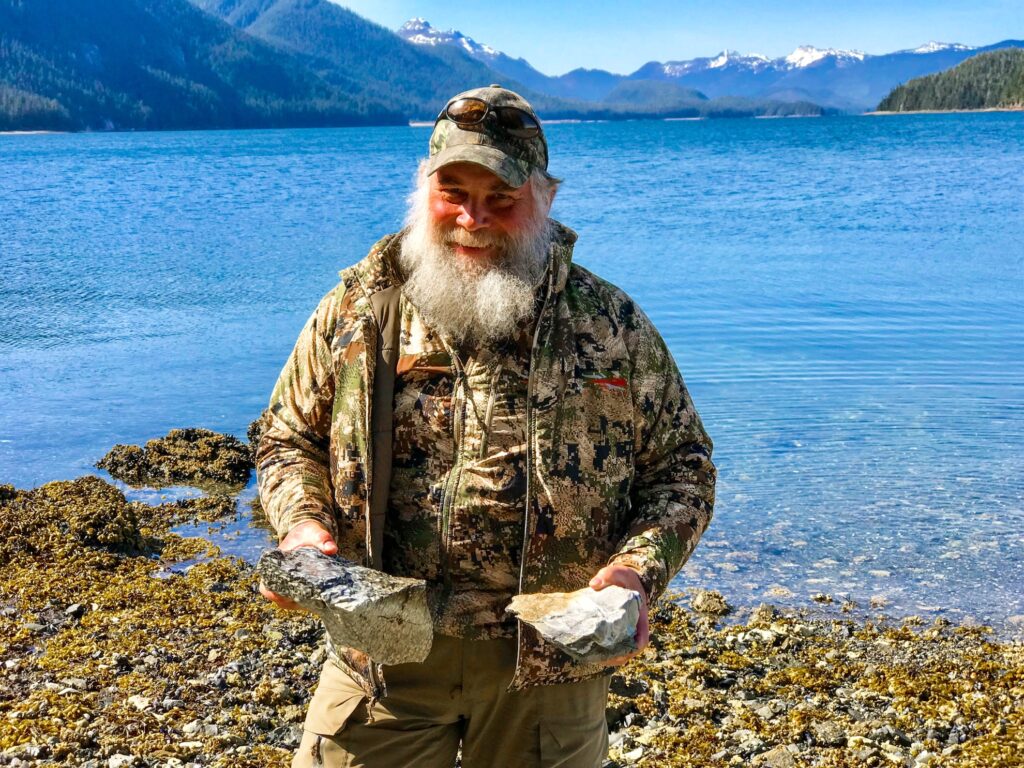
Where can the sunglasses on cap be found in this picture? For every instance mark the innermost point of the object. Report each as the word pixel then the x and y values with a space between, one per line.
pixel 473 111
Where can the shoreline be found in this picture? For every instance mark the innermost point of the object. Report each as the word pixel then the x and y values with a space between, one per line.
pixel 877 113
pixel 165 638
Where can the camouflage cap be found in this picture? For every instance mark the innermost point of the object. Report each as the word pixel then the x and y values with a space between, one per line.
pixel 486 143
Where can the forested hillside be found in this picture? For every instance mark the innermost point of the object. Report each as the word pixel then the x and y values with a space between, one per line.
pixel 157 64
pixel 338 43
pixel 986 81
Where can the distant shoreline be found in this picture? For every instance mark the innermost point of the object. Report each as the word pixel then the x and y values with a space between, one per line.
pixel 26 133
pixel 945 111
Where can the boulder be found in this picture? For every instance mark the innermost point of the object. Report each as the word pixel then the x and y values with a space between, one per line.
pixel 590 625
pixel 385 617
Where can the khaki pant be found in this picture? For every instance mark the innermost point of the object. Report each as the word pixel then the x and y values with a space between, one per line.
pixel 457 695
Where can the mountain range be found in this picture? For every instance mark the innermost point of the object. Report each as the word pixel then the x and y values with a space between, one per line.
pixel 165 64
pixel 846 80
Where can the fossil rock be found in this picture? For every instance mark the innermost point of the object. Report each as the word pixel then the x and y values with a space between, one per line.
pixel 384 616
pixel 589 625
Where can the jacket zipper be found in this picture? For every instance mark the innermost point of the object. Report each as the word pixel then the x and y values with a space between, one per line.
pixel 529 464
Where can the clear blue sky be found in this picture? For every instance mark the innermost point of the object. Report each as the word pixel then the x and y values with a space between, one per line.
pixel 620 36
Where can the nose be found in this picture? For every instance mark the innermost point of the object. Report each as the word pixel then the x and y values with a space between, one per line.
pixel 473 216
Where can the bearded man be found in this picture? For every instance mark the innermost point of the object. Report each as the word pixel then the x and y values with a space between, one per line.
pixel 533 435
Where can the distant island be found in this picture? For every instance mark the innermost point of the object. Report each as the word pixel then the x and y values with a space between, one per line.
pixel 993 80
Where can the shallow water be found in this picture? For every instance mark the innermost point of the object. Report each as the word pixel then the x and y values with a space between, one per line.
pixel 843 296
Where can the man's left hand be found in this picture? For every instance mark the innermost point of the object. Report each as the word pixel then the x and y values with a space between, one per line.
pixel 627 578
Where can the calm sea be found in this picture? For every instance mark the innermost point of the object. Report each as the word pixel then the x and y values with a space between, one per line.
pixel 843 296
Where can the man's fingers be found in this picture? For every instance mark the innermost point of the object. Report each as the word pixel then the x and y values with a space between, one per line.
pixel 620 660
pixel 327 545
pixel 598 582
pixel 643 630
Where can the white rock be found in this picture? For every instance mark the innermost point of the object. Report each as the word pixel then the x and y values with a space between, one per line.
pixel 140 702
pixel 590 625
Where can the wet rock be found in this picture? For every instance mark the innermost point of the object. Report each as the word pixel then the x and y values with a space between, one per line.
pixel 709 601
pixel 590 625
pixel 763 615
pixel 184 456
pixel 384 616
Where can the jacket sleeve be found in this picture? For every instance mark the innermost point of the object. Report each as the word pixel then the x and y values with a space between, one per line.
pixel 292 461
pixel 673 492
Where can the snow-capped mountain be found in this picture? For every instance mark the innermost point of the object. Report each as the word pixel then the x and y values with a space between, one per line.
pixel 807 55
pixel 932 47
pixel 419 32
pixel 753 61
pixel 847 79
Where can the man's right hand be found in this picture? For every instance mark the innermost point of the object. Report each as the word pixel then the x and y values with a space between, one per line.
pixel 307 534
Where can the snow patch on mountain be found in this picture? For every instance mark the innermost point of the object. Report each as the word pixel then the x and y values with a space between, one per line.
pixel 806 55
pixel 418 31
pixel 934 47
pixel 752 61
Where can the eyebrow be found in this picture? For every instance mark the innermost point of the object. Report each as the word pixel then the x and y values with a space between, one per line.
pixel 445 180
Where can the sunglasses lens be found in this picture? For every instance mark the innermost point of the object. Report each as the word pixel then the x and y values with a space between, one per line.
pixel 467 111
pixel 517 123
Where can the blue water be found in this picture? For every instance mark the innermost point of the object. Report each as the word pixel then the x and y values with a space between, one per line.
pixel 843 295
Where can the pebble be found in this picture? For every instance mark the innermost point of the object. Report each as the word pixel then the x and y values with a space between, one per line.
pixel 779 757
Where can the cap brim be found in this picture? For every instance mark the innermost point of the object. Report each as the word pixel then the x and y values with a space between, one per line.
pixel 512 171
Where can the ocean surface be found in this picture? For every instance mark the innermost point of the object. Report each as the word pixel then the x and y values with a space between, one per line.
pixel 843 295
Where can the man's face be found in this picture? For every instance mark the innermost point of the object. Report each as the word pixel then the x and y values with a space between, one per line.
pixel 474 252
pixel 478 214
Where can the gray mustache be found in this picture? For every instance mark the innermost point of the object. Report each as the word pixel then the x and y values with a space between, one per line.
pixel 472 239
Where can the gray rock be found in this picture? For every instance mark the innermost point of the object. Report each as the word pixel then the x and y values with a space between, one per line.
pixel 590 625
pixel 828 734
pixel 384 616
pixel 709 601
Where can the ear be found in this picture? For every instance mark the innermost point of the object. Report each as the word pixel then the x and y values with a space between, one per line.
pixel 551 196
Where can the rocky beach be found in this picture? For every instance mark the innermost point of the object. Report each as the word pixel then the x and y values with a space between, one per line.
pixel 123 643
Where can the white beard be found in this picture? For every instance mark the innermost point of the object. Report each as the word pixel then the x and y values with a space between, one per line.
pixel 471 301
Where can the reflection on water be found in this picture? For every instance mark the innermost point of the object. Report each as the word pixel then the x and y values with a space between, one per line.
pixel 843 297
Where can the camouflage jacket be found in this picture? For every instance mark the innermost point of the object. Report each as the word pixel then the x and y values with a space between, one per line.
pixel 619 466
